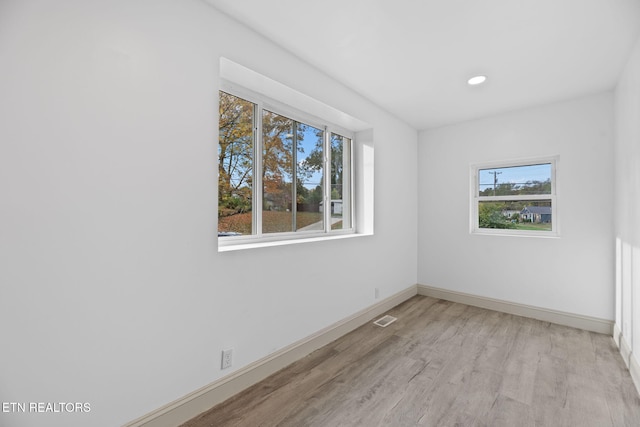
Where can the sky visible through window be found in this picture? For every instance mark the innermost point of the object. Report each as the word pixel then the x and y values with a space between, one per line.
pixel 518 175
pixel 308 144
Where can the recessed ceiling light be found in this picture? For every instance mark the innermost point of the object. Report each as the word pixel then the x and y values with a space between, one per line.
pixel 476 80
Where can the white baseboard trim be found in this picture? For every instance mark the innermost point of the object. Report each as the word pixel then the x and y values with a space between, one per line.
pixel 625 351
pixel 199 401
pixel 617 333
pixel 634 370
pixel 627 355
pixel 587 323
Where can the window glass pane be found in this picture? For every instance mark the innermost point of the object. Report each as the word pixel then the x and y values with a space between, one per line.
pixel 340 182
pixel 277 173
pixel 235 166
pixel 515 215
pixel 516 180
pixel 309 162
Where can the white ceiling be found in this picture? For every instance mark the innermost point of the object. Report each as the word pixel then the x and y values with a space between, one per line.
pixel 413 57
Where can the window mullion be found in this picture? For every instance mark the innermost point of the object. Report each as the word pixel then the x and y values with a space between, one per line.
pixel 346 182
pixel 326 180
pixel 515 198
pixel 257 167
pixel 294 176
pixel 351 185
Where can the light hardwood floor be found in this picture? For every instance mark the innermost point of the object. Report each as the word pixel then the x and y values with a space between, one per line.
pixel 445 364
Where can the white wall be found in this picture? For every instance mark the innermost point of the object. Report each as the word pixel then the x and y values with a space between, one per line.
pixel 573 273
pixel 112 289
pixel 627 211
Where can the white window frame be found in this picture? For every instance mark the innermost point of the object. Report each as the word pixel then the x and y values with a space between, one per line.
pixel 475 198
pixel 261 103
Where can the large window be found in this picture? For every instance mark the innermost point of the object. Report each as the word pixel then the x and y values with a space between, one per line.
pixel 281 174
pixel 515 198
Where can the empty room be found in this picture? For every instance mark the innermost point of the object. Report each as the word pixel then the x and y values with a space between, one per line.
pixel 329 213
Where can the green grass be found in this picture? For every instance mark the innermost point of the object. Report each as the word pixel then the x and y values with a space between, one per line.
pixel 534 226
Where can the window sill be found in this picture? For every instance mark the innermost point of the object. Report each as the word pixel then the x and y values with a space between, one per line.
pixel 239 246
pixel 522 233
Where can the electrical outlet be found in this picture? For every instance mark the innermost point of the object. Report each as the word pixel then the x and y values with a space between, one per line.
pixel 376 293
pixel 227 358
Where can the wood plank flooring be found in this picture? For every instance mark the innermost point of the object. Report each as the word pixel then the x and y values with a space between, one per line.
pixel 445 364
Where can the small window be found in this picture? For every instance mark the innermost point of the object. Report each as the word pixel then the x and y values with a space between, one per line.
pixel 515 198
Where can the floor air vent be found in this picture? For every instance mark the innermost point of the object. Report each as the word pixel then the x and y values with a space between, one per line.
pixel 385 321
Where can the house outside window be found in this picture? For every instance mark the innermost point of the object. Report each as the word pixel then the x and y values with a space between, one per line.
pixel 515 198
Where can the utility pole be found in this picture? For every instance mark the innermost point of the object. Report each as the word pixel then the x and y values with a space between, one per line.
pixel 495 180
